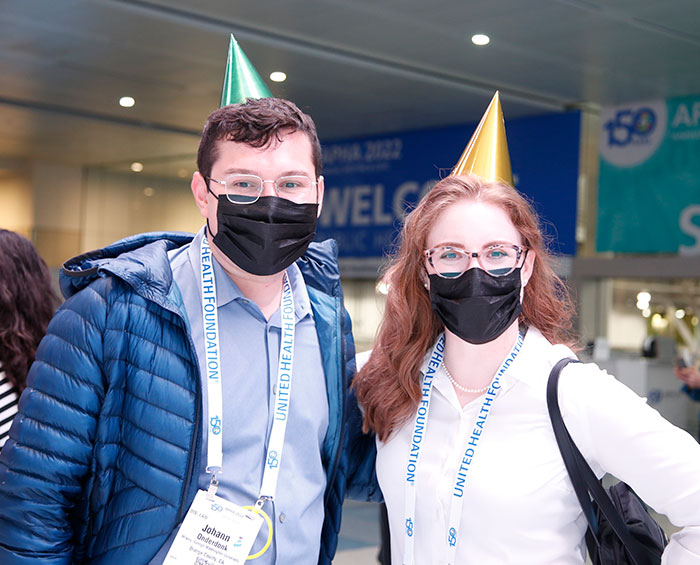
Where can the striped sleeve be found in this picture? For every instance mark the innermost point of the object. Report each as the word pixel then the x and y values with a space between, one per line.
pixel 9 399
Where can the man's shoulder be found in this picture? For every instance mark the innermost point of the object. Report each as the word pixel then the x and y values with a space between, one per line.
pixel 139 260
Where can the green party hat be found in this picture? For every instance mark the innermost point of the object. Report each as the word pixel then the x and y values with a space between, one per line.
pixel 242 80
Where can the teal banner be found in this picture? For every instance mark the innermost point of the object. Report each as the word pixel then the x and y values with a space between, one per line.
pixel 649 186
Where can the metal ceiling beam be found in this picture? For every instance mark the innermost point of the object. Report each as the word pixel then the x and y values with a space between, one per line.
pixel 649 267
pixel 88 115
pixel 348 56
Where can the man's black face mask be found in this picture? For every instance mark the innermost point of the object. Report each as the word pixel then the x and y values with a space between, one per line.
pixel 267 236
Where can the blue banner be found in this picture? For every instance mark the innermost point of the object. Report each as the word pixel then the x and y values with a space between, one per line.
pixel 370 182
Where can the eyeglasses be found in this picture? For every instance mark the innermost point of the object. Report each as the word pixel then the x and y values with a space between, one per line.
pixel 246 189
pixel 498 259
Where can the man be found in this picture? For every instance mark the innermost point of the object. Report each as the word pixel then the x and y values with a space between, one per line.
pixel 120 426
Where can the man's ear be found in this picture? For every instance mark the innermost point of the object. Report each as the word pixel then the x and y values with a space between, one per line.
pixel 200 192
pixel 321 189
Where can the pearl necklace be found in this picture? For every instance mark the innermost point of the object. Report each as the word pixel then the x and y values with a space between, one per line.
pixel 459 386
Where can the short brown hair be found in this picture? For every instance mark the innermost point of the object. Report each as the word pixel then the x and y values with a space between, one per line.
pixel 255 122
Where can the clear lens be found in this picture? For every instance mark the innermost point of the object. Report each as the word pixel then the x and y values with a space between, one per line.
pixel 296 188
pixel 450 262
pixel 498 260
pixel 243 189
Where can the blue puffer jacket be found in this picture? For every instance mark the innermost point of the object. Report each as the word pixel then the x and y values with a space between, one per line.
pixel 102 458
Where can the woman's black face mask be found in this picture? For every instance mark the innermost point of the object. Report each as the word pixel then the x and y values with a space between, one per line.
pixel 267 236
pixel 476 306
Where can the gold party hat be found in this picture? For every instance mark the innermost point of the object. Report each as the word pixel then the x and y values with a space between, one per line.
pixel 242 80
pixel 486 154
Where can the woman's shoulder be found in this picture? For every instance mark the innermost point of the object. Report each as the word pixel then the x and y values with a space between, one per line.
pixel 578 380
pixel 537 357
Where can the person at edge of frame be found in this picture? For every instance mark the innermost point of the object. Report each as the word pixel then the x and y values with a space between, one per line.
pixel 27 303
pixel 689 374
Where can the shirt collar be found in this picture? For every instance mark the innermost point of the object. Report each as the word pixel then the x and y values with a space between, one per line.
pixel 535 352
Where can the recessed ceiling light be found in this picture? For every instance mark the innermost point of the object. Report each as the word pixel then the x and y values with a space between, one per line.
pixel 137 167
pixel 480 39
pixel 149 191
pixel 126 101
pixel 278 76
pixel 182 173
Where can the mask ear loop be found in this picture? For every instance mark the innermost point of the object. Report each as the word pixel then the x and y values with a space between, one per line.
pixel 523 285
pixel 206 182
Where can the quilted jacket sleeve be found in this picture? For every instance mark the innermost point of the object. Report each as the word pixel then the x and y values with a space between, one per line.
pixel 362 453
pixel 44 465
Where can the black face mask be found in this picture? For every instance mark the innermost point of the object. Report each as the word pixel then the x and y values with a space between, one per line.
pixel 265 237
pixel 476 306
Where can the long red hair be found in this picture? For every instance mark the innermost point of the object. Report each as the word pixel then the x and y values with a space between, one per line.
pixel 388 386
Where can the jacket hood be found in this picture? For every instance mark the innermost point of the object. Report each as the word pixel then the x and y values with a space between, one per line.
pixel 140 260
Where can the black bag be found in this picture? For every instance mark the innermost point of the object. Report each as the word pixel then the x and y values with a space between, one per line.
pixel 620 529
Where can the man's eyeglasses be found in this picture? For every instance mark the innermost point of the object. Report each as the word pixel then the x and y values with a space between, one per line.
pixel 497 259
pixel 246 189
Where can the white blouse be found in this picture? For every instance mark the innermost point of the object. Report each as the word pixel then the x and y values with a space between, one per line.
pixel 519 504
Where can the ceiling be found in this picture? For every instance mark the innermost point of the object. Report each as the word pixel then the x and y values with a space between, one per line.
pixel 357 66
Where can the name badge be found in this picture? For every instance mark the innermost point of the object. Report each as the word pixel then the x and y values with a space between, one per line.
pixel 214 531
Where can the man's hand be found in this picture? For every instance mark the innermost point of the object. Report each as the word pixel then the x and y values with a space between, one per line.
pixel 689 375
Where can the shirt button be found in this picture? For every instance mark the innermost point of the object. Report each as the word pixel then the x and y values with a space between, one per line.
pixel 283 517
pixel 274 389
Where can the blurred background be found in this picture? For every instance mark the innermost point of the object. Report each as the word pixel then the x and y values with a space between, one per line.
pixel 102 103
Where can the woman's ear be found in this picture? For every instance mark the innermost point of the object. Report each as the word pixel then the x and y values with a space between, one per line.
pixel 425 280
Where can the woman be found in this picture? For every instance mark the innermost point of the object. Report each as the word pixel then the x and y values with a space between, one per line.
pixel 467 460
pixel 27 303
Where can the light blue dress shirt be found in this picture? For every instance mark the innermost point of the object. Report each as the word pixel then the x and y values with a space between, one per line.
pixel 249 356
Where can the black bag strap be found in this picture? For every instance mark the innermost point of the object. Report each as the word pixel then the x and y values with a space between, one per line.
pixel 582 476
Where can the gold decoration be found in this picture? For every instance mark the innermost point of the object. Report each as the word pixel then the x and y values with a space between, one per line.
pixel 486 154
